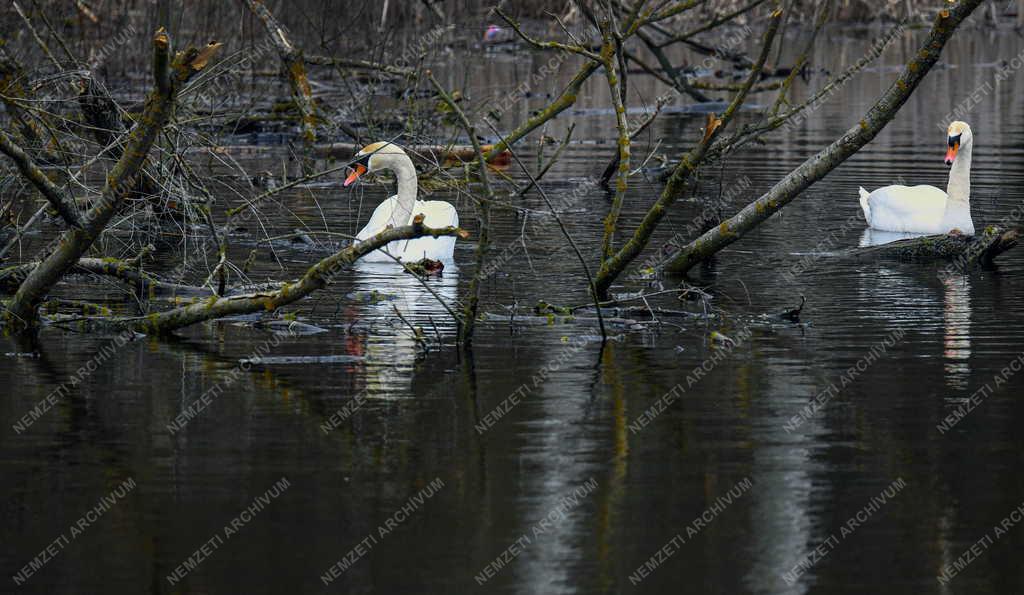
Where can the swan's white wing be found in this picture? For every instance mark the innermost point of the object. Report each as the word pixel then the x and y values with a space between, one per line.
pixel 437 213
pixel 379 219
pixel 917 209
pixel 877 237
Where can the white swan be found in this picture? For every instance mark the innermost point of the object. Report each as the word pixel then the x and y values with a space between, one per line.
pixel 400 209
pixel 926 209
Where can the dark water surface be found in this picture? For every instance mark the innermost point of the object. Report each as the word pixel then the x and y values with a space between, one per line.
pixel 547 464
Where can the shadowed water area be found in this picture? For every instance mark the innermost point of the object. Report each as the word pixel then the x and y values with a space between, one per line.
pixel 546 463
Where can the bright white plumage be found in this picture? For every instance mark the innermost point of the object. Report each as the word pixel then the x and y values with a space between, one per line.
pixel 927 209
pixel 914 209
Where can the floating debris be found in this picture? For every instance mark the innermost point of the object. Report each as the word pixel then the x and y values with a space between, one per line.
pixel 425 268
pixel 371 297
pixel 793 314
pixel 291 327
pixel 717 337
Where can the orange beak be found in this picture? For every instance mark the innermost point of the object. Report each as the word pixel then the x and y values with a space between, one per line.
pixel 357 171
pixel 951 153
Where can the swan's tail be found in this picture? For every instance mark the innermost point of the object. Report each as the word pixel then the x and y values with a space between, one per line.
pixel 864 204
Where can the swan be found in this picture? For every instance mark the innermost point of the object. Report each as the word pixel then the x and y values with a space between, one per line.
pixel 926 209
pixel 400 209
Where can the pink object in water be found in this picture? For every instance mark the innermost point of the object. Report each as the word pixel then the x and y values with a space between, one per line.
pixel 492 32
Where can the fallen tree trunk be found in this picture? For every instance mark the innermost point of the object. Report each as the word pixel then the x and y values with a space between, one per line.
pixel 439 153
pixel 818 166
pixel 73 244
pixel 143 283
pixel 965 250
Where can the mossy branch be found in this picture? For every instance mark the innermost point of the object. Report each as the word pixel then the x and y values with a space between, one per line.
pixel 563 102
pixel 143 283
pixel 611 54
pixel 316 277
pixel 547 45
pixel 58 198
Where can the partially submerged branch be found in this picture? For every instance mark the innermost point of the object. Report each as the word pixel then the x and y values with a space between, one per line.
pixel 965 250
pixel 141 282
pixel 483 207
pixel 316 277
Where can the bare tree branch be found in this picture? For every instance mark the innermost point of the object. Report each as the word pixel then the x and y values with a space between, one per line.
pixel 61 201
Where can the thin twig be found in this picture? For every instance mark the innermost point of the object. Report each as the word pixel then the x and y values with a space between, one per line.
pixel 565 232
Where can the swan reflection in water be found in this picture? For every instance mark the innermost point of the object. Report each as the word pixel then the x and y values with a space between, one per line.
pixel 956 336
pixel 387 295
pixel 877 237
pixel 956 311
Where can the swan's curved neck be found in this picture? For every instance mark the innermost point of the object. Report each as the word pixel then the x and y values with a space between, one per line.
pixel 959 187
pixel 405 172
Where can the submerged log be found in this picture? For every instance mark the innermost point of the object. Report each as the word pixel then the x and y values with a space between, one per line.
pixel 445 154
pixel 964 250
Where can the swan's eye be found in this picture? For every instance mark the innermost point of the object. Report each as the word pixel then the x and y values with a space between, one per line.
pixel 954 140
